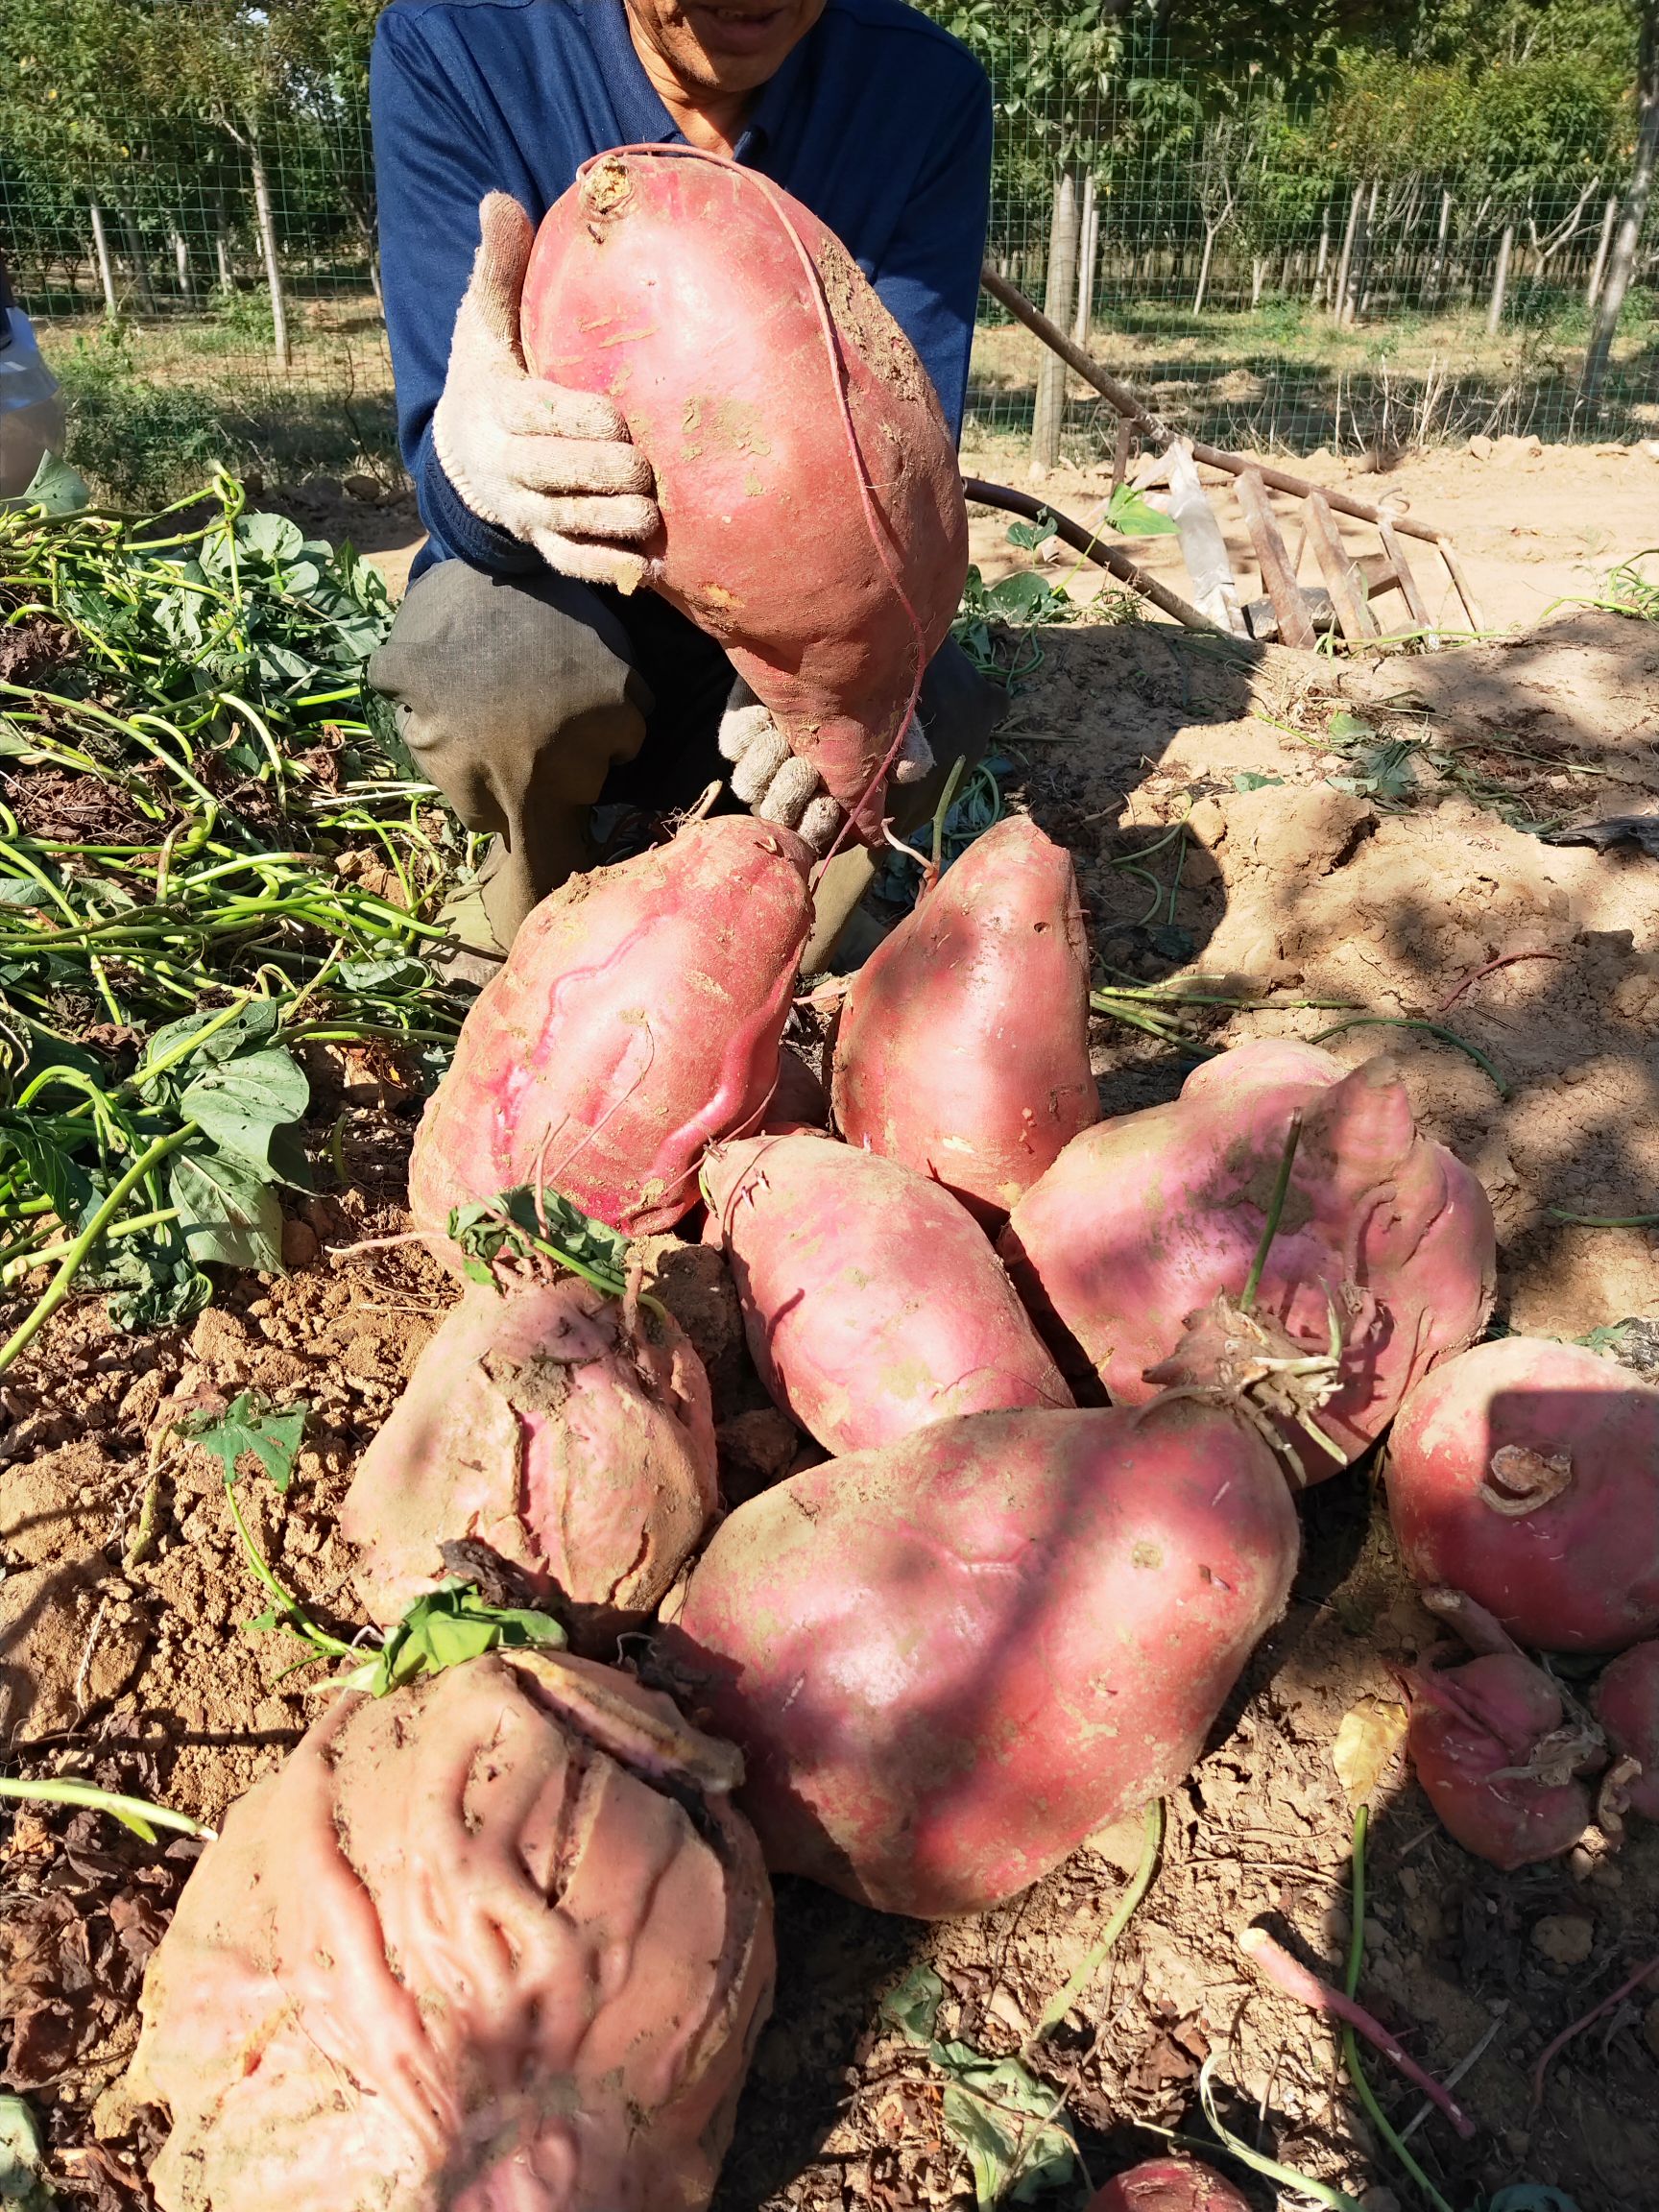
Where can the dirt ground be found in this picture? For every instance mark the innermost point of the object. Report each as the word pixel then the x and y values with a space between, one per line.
pixel 1354 834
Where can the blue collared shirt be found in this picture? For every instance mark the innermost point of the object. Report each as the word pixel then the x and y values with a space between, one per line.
pixel 877 120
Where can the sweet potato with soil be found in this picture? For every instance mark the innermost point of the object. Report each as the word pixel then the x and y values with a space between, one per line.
pixel 761 377
pixel 1149 1218
pixel 1527 1474
pixel 1498 1759
pixel 948 1661
pixel 636 1019
pixel 872 1301
pixel 963 1048
pixel 498 1941
pixel 1626 1703
pixel 576 1443
pixel 1168 2185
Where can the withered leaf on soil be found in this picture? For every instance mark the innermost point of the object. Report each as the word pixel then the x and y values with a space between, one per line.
pixel 1367 1744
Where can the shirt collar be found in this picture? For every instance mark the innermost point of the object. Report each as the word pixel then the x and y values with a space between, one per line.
pixel 640 114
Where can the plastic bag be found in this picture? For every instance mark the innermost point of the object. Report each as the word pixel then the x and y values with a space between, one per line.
pixel 31 406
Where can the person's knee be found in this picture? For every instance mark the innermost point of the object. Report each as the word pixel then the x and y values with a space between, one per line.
pixel 959 710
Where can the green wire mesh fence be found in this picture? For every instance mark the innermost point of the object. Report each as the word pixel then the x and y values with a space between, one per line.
pixel 1267 269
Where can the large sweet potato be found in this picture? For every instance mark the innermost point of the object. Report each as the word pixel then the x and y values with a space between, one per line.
pixel 1527 1474
pixel 872 1301
pixel 495 1943
pixel 1147 1219
pixel 635 1020
pixel 762 378
pixel 948 1661
pixel 963 1049
pixel 578 1448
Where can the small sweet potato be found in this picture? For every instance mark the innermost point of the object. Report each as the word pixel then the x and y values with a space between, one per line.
pixel 1626 1703
pixel 1498 1759
pixel 498 1940
pixel 948 1661
pixel 1527 1474
pixel 1146 1220
pixel 872 1301
pixel 578 1447
pixel 1168 2185
pixel 635 1020
pixel 963 1048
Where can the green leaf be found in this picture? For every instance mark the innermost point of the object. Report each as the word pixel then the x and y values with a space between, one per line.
pixel 249 1423
pixel 22 891
pixel 23 2185
pixel 249 1030
pixel 239 1103
pixel 398 973
pixel 1026 597
pixel 913 2006
pixel 445 1627
pixel 271 534
pixel 54 486
pixel 1129 512
pixel 227 1212
pixel 1345 728
pixel 1253 780
pixel 1533 2197
pixel 589 1248
pixel 1031 534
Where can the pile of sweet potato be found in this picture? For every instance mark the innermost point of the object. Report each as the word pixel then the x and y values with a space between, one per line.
pixel 1056 1383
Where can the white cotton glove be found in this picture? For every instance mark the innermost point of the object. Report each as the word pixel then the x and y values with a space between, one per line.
pixel 552 467
pixel 777 787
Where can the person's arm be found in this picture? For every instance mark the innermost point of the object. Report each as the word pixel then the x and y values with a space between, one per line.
pixel 928 277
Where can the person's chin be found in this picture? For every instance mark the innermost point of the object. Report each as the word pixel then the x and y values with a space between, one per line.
pixel 743 47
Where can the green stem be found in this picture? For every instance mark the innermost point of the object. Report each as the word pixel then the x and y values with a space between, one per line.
pixel 299 1621
pixel 58 1289
pixel 1139 1882
pixel 134 1225
pixel 1433 1029
pixel 946 798
pixel 134 1813
pixel 1275 1207
pixel 1604 1220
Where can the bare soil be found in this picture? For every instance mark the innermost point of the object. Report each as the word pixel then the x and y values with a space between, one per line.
pixel 124 1652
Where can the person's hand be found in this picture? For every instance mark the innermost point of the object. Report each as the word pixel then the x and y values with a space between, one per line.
pixel 552 467
pixel 777 787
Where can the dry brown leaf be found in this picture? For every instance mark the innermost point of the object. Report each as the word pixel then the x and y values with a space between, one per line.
pixel 1371 1734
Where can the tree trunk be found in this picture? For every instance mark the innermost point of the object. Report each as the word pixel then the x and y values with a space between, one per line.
pixel 1599 268
pixel 1437 267
pixel 1344 300
pixel 1258 277
pixel 1059 300
pixel 266 223
pixel 1202 292
pixel 1621 259
pixel 140 267
pixel 1501 282
pixel 1364 256
pixel 182 268
pixel 106 267
pixel 1087 256
pixel 1322 270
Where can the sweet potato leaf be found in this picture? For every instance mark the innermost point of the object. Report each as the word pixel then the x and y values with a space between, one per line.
pixel 227 1211
pixel 446 1628
pixel 250 1424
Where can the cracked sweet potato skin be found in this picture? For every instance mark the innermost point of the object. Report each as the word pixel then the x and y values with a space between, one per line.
pixel 534 1424
pixel 1581 1572
pixel 949 1661
pixel 963 1049
pixel 872 1301
pixel 1474 1728
pixel 636 1020
pixel 468 1951
pixel 1144 1219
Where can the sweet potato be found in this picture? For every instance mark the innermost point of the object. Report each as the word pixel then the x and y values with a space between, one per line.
pixel 1498 1759
pixel 1147 1219
pixel 963 1048
pixel 1527 1474
pixel 872 1301
pixel 948 1661
pixel 727 324
pixel 498 1940
pixel 575 1444
pixel 636 1020
pixel 1626 1703
pixel 1168 2185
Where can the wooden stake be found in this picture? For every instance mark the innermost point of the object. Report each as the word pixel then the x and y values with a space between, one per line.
pixel 1278 579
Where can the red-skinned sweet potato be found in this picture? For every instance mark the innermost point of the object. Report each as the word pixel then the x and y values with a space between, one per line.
pixel 671 283
pixel 1527 1474
pixel 1168 2185
pixel 497 1943
pixel 963 1048
pixel 872 1301
pixel 635 1020
pixel 1626 1703
pixel 579 1449
pixel 949 1661
pixel 1146 1220
pixel 1498 1759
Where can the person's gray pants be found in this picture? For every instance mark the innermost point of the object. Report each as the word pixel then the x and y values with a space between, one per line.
pixel 530 699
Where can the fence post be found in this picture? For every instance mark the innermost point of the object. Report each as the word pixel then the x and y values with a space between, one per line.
pixel 1501 282
pixel 1086 259
pixel 1344 299
pixel 1057 305
pixel 1610 216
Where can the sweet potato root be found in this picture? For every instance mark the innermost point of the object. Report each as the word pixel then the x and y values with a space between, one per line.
pixel 636 1020
pixel 498 1940
pixel 581 1451
pixel 949 1661
pixel 873 1303
pixel 963 1049
pixel 1146 1220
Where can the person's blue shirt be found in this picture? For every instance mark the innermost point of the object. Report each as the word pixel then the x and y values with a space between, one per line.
pixel 877 120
